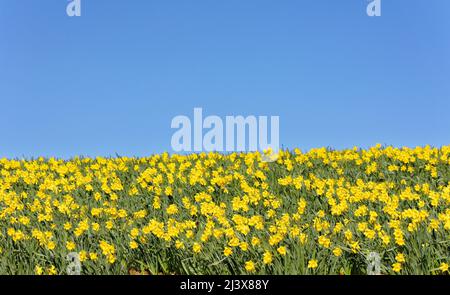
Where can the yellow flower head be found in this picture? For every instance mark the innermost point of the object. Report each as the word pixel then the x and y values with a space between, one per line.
pixel 227 251
pixel 337 252
pixel 196 247
pixel 267 257
pixel 70 246
pixel 250 266
pixel 282 250
pixel 397 267
pixel 312 264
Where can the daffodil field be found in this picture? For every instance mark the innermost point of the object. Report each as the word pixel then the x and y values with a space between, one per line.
pixel 316 212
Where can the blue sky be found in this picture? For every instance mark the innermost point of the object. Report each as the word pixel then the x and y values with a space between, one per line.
pixel 111 80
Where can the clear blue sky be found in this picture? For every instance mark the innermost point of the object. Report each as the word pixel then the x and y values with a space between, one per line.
pixel 111 80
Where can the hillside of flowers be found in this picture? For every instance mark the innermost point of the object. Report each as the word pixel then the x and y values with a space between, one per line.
pixel 316 212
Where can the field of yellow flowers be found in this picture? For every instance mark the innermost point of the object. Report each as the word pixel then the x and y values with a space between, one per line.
pixel 320 212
